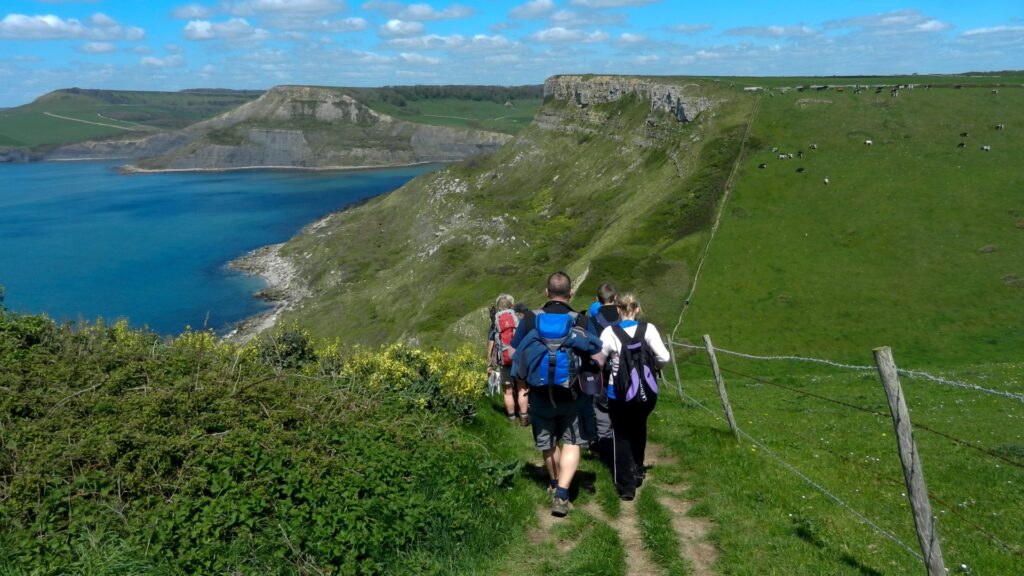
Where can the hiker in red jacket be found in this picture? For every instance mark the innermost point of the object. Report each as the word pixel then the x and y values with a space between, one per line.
pixel 499 358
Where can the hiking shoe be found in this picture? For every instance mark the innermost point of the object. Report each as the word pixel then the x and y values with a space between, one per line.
pixel 524 420
pixel 559 507
pixel 627 495
pixel 639 476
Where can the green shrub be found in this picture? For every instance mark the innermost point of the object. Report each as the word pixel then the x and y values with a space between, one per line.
pixel 199 456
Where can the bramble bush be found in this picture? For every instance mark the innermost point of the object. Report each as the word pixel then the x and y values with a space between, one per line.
pixel 123 452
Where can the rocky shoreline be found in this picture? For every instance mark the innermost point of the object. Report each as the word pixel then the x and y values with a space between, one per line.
pixel 283 291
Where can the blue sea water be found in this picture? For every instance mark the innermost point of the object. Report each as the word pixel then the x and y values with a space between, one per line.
pixel 80 241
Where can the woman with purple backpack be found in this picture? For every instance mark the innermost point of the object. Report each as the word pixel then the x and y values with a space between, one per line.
pixel 635 354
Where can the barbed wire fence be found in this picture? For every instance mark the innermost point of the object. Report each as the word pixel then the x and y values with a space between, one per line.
pixel 930 550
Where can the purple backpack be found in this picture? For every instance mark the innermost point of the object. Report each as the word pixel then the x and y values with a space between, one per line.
pixel 637 377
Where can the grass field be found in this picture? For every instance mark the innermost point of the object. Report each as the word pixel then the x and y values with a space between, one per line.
pixel 67 116
pixel 480 115
pixel 915 244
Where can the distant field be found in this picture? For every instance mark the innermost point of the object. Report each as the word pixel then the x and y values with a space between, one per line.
pixel 481 115
pixel 915 243
pixel 74 115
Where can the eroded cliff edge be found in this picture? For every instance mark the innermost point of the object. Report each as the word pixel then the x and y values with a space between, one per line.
pixel 294 127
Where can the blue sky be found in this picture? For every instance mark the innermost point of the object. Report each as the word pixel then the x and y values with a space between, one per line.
pixel 170 45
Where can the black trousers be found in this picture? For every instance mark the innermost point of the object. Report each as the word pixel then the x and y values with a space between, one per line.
pixel 629 421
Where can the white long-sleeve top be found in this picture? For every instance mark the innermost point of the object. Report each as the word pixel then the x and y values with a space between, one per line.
pixel 612 346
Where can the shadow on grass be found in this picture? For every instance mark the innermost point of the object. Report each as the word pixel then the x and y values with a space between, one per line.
pixel 805 531
pixel 584 481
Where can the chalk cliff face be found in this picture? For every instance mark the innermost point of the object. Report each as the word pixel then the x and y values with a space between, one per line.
pixel 296 126
pixel 670 98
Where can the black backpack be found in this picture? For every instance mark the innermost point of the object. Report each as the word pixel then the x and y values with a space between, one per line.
pixel 637 377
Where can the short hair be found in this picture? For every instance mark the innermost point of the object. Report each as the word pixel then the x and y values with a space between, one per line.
pixel 606 293
pixel 521 307
pixel 627 302
pixel 560 285
pixel 504 301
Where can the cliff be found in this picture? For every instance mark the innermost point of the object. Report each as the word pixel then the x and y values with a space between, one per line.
pixel 611 191
pixel 663 95
pixel 302 126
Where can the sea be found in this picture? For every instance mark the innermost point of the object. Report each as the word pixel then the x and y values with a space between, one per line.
pixel 80 241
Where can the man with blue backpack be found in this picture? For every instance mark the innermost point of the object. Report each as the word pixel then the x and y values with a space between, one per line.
pixel 550 345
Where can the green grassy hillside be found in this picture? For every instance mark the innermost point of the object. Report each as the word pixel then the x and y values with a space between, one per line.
pixel 74 115
pixel 613 191
pixel 914 243
pixel 507 109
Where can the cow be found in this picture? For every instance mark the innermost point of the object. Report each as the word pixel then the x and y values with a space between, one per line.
pixel 1000 126
pixel 762 165
pixel 782 156
pixel 826 181
pixel 995 91
pixel 800 170
pixel 961 145
pixel 868 142
pixel 986 148
pixel 963 134
pixel 813 146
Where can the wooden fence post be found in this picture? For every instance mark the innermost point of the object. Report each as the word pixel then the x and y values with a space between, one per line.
pixel 917 492
pixel 721 386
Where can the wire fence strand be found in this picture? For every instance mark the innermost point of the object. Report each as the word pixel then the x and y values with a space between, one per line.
pixel 902 372
pixel 815 485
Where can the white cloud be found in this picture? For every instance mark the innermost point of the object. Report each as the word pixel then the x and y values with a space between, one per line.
pixel 414 58
pixel 97 48
pixel 428 42
pixel 484 42
pixel 559 34
pixel 897 22
pixel 291 7
pixel 50 27
pixel 102 20
pixel 627 38
pixel 371 58
pixel 351 24
pixel 570 19
pixel 40 27
pixel 610 3
pixel 996 30
pixel 235 29
pixel 771 31
pixel 394 28
pixel 690 28
pixel 427 12
pixel 191 12
pixel 932 26
pixel 532 10
pixel 172 61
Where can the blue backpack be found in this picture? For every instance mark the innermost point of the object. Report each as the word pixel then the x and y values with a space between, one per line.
pixel 550 362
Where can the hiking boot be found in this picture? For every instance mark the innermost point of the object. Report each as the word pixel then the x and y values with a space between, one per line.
pixel 559 507
pixel 524 420
pixel 627 495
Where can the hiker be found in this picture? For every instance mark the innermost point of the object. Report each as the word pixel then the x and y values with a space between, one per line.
pixel 635 353
pixel 602 314
pixel 549 344
pixel 504 321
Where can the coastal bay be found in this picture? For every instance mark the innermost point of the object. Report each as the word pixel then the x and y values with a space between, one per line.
pixel 82 241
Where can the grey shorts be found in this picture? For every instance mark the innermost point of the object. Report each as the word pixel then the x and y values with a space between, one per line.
pixel 568 421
